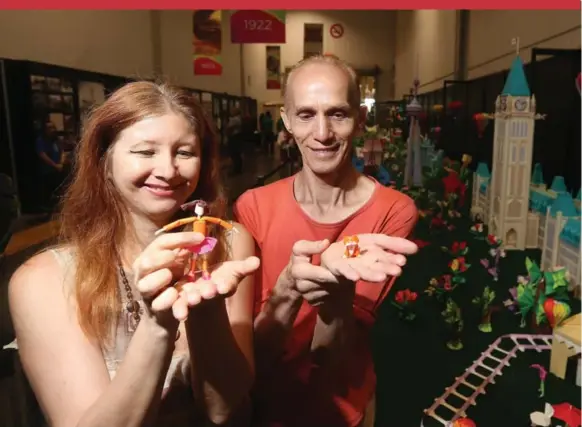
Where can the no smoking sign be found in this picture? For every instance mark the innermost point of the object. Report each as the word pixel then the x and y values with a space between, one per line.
pixel 336 31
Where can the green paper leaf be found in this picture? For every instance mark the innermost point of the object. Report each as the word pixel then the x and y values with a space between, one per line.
pixel 533 270
pixel 555 280
pixel 525 298
pixel 540 314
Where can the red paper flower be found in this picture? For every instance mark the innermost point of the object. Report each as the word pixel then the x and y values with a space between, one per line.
pixel 454 185
pixel 405 296
pixel 458 247
pixel 493 240
pixel 458 265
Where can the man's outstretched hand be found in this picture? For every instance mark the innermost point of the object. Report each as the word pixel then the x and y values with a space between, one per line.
pixel 381 256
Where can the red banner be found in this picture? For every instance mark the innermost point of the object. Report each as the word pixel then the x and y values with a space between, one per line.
pixel 257 26
pixel 207 42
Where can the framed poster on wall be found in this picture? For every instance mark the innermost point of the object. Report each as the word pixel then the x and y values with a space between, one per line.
pixel 53 104
pixel 207 42
pixel 273 67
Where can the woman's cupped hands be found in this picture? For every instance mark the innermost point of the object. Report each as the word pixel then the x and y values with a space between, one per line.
pixel 161 276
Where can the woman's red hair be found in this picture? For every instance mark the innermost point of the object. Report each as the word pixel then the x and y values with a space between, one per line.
pixel 94 221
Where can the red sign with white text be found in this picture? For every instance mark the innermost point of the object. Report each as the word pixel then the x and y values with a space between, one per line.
pixel 257 26
pixel 206 66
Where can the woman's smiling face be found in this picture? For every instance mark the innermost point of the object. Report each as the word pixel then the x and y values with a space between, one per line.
pixel 155 165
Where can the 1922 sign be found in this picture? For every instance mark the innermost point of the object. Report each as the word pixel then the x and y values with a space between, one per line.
pixel 257 26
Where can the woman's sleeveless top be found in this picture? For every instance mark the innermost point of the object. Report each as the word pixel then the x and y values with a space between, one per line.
pixel 177 405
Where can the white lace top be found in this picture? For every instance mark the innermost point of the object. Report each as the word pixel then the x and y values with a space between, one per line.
pixel 179 411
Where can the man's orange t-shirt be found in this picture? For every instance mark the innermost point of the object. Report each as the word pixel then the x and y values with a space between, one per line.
pixel 294 397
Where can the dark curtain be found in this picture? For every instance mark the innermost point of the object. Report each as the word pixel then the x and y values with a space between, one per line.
pixel 556 139
pixel 5 157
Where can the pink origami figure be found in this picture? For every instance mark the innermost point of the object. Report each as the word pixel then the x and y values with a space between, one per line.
pixel 203 248
pixel 199 224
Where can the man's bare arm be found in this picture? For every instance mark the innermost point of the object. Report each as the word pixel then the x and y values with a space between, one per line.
pixel 275 321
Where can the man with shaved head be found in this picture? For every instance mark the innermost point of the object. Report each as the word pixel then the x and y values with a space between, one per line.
pixel 315 303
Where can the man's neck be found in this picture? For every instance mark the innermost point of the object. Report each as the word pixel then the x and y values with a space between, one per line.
pixel 327 191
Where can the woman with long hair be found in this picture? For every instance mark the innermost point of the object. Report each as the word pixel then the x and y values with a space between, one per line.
pixel 110 332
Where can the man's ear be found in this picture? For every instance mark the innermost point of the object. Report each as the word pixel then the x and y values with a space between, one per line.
pixel 285 120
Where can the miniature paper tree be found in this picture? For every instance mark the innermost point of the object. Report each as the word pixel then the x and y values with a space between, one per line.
pixel 534 292
pixel 495 253
pixel 402 301
pixel 485 301
pixel 527 290
pixel 454 320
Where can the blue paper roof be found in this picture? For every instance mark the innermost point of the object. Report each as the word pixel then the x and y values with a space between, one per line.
pixel 571 232
pixel 516 83
pixel 565 204
pixel 483 170
pixel 539 202
pixel 559 185
pixel 537 176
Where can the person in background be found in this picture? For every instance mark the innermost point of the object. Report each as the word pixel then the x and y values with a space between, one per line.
pixel 260 141
pixel 235 143
pixel 267 134
pixel 110 332
pixel 52 159
pixel 314 306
